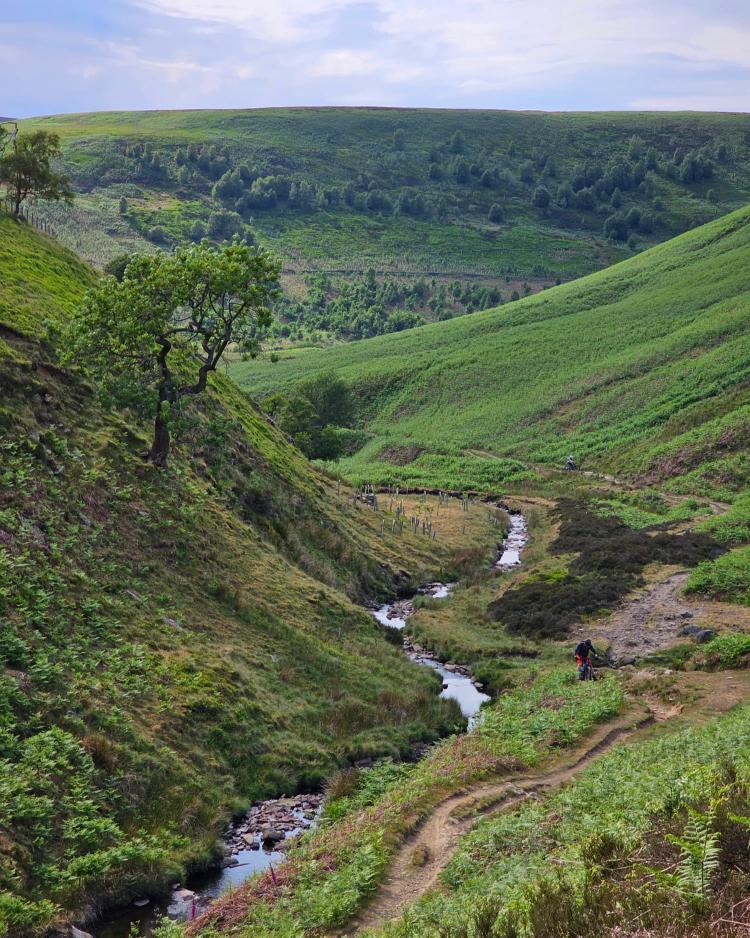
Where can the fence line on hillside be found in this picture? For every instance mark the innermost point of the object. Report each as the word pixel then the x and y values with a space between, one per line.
pixel 27 214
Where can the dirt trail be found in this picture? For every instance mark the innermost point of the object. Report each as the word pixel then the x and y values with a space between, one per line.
pixel 655 618
pixel 649 620
pixel 425 854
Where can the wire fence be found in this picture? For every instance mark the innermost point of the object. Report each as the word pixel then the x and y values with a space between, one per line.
pixel 30 215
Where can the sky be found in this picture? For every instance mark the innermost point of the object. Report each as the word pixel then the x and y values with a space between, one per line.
pixel 85 55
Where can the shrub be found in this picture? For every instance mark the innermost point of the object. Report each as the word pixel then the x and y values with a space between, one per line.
pixel 610 559
pixel 541 197
pixel 727 578
pixel 526 172
pixel 730 650
pixel 495 213
pixel 157 234
pixel 616 228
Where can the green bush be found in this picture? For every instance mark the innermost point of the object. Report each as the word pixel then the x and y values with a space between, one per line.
pixel 729 650
pixel 732 527
pixel 726 578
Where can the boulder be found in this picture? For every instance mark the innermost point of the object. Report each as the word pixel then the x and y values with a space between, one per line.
pixel 690 630
pixel 704 635
pixel 79 933
pixel 271 835
pixel 183 895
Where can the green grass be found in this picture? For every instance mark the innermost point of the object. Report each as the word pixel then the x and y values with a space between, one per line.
pixel 330 148
pixel 641 368
pixel 733 526
pixel 726 578
pixel 730 650
pixel 587 853
pixel 338 866
pixel 646 508
pixel 171 644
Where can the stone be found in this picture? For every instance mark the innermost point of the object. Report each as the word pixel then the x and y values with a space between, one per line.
pixel 79 933
pixel 141 902
pixel 183 895
pixel 690 629
pixel 248 838
pixel 703 636
pixel 229 861
pixel 272 835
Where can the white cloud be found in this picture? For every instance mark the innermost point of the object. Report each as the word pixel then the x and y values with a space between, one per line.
pixel 507 43
pixel 510 53
pixel 345 62
pixel 482 45
pixel 288 21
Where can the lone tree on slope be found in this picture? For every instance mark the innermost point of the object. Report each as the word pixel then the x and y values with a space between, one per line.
pixel 25 170
pixel 155 336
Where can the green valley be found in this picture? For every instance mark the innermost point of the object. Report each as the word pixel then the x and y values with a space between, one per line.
pixel 496 201
pixel 172 646
pixel 186 641
pixel 640 369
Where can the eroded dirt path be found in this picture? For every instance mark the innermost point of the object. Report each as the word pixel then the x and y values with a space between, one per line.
pixel 656 617
pixel 416 867
pixel 423 856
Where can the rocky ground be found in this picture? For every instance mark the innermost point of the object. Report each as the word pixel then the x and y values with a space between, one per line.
pixel 659 616
pixel 268 824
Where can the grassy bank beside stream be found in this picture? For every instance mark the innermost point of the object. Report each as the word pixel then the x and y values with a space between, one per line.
pixel 325 880
pixel 649 840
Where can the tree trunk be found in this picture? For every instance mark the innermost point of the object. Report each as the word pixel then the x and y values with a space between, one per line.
pixel 17 199
pixel 159 454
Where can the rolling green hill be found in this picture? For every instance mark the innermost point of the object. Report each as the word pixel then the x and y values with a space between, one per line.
pixel 171 645
pixel 642 368
pixel 506 201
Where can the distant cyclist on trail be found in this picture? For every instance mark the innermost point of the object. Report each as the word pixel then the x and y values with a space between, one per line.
pixel 584 650
pixel 570 463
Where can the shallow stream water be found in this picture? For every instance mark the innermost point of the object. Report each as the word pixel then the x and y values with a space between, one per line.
pixel 189 900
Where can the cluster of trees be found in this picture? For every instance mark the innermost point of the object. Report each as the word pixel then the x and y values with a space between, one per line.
pixel 245 190
pixel 496 181
pixel 589 187
pixel 316 415
pixel 363 307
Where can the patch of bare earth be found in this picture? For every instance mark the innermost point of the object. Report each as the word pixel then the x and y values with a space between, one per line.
pixel 656 617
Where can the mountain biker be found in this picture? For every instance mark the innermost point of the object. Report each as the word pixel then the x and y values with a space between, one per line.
pixel 583 651
pixel 570 463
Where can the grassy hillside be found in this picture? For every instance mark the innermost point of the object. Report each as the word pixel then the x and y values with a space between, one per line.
pixel 407 192
pixel 171 645
pixel 642 368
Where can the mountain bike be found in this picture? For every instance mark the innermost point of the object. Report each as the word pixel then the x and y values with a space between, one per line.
pixel 586 671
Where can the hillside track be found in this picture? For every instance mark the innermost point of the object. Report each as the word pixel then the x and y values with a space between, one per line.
pixel 425 854
pixel 654 619
pixel 417 866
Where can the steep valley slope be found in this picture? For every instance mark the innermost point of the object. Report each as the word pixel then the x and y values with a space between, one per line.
pixel 175 645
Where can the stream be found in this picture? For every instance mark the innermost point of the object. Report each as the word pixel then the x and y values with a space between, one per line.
pixel 254 843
